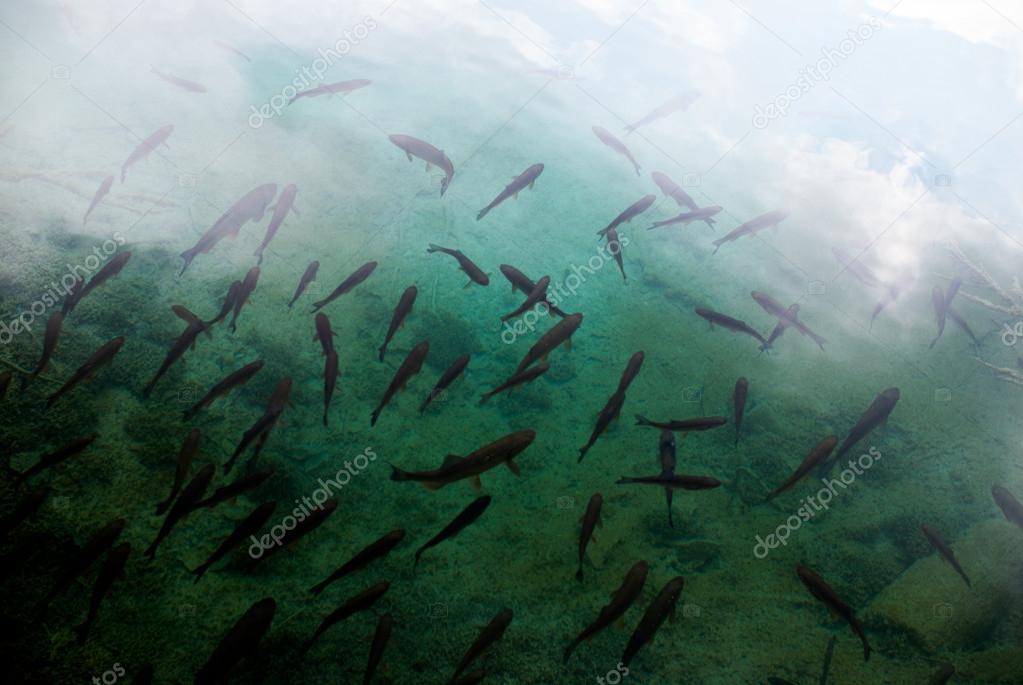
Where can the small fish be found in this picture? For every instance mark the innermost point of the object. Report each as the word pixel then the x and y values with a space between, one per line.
pixel 627 593
pixel 465 517
pixel 221 389
pixel 375 550
pixel 101 192
pixel 524 180
pixel 1009 505
pixel 232 50
pixel 376 649
pixel 308 276
pixel 324 333
pixel 660 609
pixel 22 511
pixel 404 308
pixel 100 358
pixel 330 375
pixel 74 294
pixel 631 212
pixel 774 308
pixel 260 430
pixel 228 305
pixel 953 290
pixel 411 366
pixel 58 456
pixel 184 342
pixel 684 425
pixel 823 592
pixel 537 296
pixel 490 634
pixel 527 376
pixel 618 146
pixel 944 550
pixel 614 246
pixel 90 552
pixel 631 371
pixel 310 523
pixel 674 191
pixel 673 481
pixel 357 277
pixel 184 505
pixel 185 456
pixel 892 293
pixel 109 270
pixel 817 455
pixel 189 318
pixel 769 220
pixel 942 675
pixel 666 452
pixel 591 519
pixel 701 214
pixel 248 527
pixel 230 491
pixel 446 379
pixel 456 468
pixel 360 602
pixel 239 643
pixel 607 415
pixel 959 321
pixel 243 295
pixel 50 338
pixel 285 203
pixel 860 272
pixel 251 207
pixel 791 314
pixel 338 88
pixel 183 83
pixel 676 104
pixel 413 147
pixel 940 311
pixel 739 402
pixel 474 273
pixel 728 323
pixel 113 569
pixel 158 138
pixel 558 334
pixel 876 414
pixel 522 282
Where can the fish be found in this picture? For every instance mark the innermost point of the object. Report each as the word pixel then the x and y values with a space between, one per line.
pixel 376 649
pixel 940 311
pixel 375 550
pixel 456 468
pixel 944 550
pixel 817 455
pixel 189 318
pixel 524 180
pixel 614 246
pixel 248 527
pixel 823 592
pixel 244 293
pixel 684 425
pixel 183 83
pixel 330 376
pixel 876 414
pixel 618 146
pixel 753 226
pixel 607 415
pixel 666 452
pixel 631 212
pixel 560 333
pixel 632 368
pixel 728 323
pixel 183 506
pixel 527 376
pixel 184 342
pixel 360 602
pixel 236 487
pixel 627 593
pixel 892 293
pixel 185 456
pixel 959 321
pixel 490 634
pixel 285 203
pixel 678 103
pixel 411 366
pixel 73 295
pixel 308 276
pixel 5 382
pixel 260 430
pixel 251 207
pixel 156 139
pixel 953 290
pixel 228 305
pixel 100 358
pixel 50 338
pixel 324 333
pixel 233 50
pixel 1009 505
pixel 674 191
pixel 241 641
pixel 446 379
pixel 537 296
pixel 101 192
pixel 58 456
pixel 109 270
pixel 523 283
pixel 474 273
pixel 660 609
pixel 739 401
pixel 338 88
pixel 942 675
pixel 701 214
pixel 413 147
pixel 357 277
pixel 112 570
pixel 101 541
pixel 673 481
pixel 471 678
pixel 860 272
pixel 222 388
pixel 22 511
pixel 307 525
pixel 791 314
pixel 404 308
pixel 465 517
pixel 787 316
pixel 591 520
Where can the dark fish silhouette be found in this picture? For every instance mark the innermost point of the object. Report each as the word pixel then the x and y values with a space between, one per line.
pixel 308 276
pixel 237 487
pixel 627 593
pixel 376 649
pixel 1009 505
pixel 240 642
pixel 22 511
pixel 701 214
pixel 228 305
pixel 660 609
pixel 739 402
pixel 676 104
pixel 338 88
pixel 474 273
pixel 404 308
pixel 632 368
pixel 860 272
pixel 591 519
pixel 184 505
pixel 260 430
pixel 524 180
pixel 285 203
pixel 940 311
pixel 527 376
pixel 409 367
pixel 185 342
pixel 90 552
pixel 618 146
pixel 324 333
pixel 109 270
pixel 251 207
pixel 823 592
pixel 360 602
pixel 490 634
pixel 185 456
pixel 221 389
pixel 375 550
pixel 465 517
pixel 614 246
pixel 631 212
pixel 456 468
pixel 100 358
pixel 817 455
pixel 944 550
pixel 538 295
pixel 876 414
pixel 244 293
pixel 522 282
pixel 413 147
pixel 787 316
pixel 728 323
pixel 446 379
pixel 673 481
pixel 157 138
pixel 674 191
pixel 113 569
pixel 701 423
pixel 58 456
pixel 560 333
pixel 607 415
pixel 769 220
pixel 101 192
pixel 307 525
pixel 183 83
pixel 357 277
pixel 666 452
pixel 248 527
pixel 330 375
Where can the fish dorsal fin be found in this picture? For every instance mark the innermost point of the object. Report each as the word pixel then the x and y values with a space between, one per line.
pixel 451 460
pixel 513 467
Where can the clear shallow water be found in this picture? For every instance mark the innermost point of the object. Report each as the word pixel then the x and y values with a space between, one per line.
pixel 860 160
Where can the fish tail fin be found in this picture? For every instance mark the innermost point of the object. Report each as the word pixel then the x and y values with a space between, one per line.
pixel 482 213
pixel 397 474
pixel 318 588
pixel 373 417
pixel 200 572
pixel 641 420
pixel 434 248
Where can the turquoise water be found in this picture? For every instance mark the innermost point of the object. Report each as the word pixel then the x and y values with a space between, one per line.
pixel 901 158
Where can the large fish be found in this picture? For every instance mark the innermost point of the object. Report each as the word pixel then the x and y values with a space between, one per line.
pixel 774 308
pixel 100 358
pixel 228 305
pixel 411 366
pixel 591 519
pixel 50 338
pixel 401 312
pixel 674 191
pixel 308 276
pixel 90 552
pixel 243 295
pixel 239 643
pixel 660 609
pixel 260 430
pixel 876 414
pixel 158 137
pixel 537 296
pixel 823 592
pixel 475 274
pixel 447 378
pixel 112 570
pixel 684 425
pixel 817 455
pixel 739 402
pixel 221 389
pixel 338 88
pixel 251 207
pixel 934 537
pixel 186 454
pixel 376 649
pixel 524 180
pixel 248 527
pixel 184 505
pixel 522 282
pixel 285 203
pixel 728 323
pixel 631 212
pixel 101 192
pixel 109 270
pixel 490 634
pixel 753 226
pixel 618 146
pixel 183 83
pixel 184 342
pixel 456 468
pixel 357 277
pixel 58 456
pixel 678 103
pixel 627 593
pixel 527 376
pixel 702 214
pixel 1009 505
pixel 360 602
pixel 612 408
pixel 632 368
pixel 413 147
pixel 375 550
pixel 560 333
pixel 465 518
